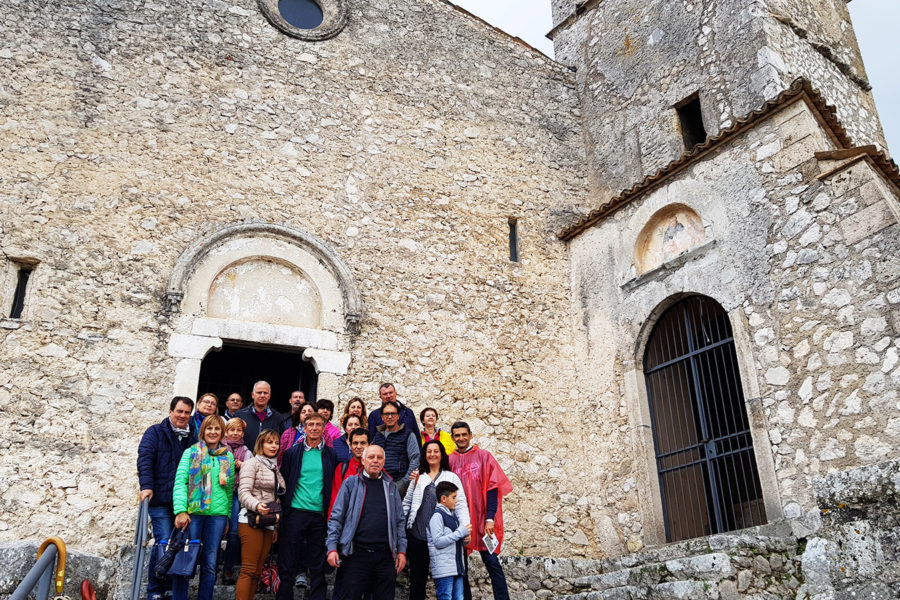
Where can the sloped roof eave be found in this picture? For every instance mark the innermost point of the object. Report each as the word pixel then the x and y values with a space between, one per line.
pixel 800 90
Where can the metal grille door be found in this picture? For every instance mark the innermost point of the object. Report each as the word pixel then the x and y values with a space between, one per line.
pixel 704 453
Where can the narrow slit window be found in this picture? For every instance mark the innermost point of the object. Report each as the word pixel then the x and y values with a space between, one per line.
pixel 690 115
pixel 514 240
pixel 18 305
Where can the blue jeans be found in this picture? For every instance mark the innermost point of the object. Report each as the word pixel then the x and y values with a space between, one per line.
pixel 209 530
pixel 449 588
pixel 162 521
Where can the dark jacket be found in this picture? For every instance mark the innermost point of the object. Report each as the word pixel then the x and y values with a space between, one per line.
pixel 158 455
pixel 274 421
pixel 291 464
pixel 407 417
pixel 348 507
pixel 401 452
pixel 341 447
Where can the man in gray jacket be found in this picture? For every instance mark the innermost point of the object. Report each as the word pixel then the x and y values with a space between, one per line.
pixel 366 532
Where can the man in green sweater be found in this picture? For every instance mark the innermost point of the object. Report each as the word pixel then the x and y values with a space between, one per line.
pixel 308 470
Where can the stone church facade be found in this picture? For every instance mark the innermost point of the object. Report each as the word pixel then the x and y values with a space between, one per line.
pixel 658 276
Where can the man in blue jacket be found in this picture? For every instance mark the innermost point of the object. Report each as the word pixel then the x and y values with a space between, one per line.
pixel 259 416
pixel 367 533
pixel 308 471
pixel 158 456
pixel 401 447
pixel 388 395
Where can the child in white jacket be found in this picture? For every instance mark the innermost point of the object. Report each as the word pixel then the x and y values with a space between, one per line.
pixel 447 541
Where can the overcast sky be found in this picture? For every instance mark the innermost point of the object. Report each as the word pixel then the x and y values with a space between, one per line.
pixel 875 21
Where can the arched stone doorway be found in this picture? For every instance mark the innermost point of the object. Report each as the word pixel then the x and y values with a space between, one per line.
pixel 705 459
pixel 270 287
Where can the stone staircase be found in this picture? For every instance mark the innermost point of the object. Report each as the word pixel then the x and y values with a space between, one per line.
pixel 759 563
pixel 762 563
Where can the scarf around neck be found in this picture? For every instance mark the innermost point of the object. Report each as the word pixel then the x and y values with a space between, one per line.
pixel 238 450
pixel 200 475
pixel 180 432
pixel 271 463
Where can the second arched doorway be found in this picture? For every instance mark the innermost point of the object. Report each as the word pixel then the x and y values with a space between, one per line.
pixel 705 460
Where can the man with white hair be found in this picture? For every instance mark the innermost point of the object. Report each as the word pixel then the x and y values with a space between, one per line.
pixel 259 415
pixel 366 532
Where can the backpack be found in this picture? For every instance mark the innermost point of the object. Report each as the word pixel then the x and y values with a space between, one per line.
pixel 419 529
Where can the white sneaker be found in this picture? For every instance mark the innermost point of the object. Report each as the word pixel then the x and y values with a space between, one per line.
pixel 301 581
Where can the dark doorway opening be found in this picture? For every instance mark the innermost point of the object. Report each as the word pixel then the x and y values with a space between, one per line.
pixel 236 367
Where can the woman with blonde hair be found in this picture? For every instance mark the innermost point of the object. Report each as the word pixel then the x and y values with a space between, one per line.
pixel 234 439
pixel 201 498
pixel 260 486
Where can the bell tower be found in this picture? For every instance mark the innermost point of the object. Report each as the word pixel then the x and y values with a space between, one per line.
pixel 656 77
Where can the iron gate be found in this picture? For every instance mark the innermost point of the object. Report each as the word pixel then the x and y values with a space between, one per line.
pixel 701 435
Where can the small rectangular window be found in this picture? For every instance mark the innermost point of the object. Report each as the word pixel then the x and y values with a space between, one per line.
pixel 514 240
pixel 23 274
pixel 690 115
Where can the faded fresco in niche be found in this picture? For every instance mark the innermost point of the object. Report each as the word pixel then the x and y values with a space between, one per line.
pixel 669 233
pixel 265 291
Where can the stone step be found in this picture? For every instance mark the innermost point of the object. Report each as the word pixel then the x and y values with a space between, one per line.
pixel 710 567
pixel 670 590
pixel 226 592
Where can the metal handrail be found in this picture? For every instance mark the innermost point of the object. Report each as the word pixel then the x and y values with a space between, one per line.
pixel 140 539
pixel 51 561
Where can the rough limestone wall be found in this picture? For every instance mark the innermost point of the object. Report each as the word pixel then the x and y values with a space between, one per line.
pixel 848 548
pixel 636 60
pixel 844 87
pixel 815 294
pixel 828 346
pixel 825 24
pixel 853 550
pixel 761 562
pixel 131 129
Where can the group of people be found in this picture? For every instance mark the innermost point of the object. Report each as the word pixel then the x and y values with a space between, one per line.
pixel 360 497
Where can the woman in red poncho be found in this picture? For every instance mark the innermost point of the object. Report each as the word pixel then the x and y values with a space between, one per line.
pixel 485 485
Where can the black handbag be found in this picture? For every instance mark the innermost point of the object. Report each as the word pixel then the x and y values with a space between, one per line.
pixel 165 551
pixel 258 521
pixel 273 518
pixel 419 529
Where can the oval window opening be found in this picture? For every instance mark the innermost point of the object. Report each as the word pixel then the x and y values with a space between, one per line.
pixel 303 14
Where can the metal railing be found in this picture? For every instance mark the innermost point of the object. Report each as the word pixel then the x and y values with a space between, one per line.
pixel 50 565
pixel 140 540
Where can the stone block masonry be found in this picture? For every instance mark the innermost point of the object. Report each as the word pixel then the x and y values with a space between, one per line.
pixel 132 129
pixel 159 161
pixel 636 61
pixel 813 308
pixel 847 549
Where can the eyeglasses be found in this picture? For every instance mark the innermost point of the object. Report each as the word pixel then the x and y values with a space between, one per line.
pixel 385 415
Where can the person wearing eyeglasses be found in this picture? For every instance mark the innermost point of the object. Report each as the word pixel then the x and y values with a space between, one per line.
pixel 401 447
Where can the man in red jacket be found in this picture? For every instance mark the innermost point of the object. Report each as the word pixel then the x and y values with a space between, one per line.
pixel 485 484
pixel 359 439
